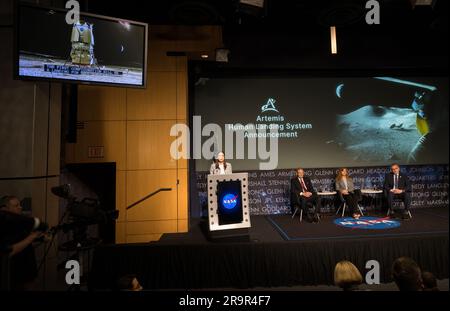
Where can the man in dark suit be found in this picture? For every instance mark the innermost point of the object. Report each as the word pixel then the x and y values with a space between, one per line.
pixel 397 186
pixel 303 194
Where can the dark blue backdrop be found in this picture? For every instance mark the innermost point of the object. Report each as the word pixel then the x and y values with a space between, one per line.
pixel 269 190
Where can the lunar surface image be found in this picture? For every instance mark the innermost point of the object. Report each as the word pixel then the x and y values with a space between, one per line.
pixel 34 66
pixel 378 134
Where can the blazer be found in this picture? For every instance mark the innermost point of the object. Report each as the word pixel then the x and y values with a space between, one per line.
pixel 215 171
pixel 296 188
pixel 403 182
pixel 340 185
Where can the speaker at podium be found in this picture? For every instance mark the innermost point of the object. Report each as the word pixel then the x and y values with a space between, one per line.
pixel 228 207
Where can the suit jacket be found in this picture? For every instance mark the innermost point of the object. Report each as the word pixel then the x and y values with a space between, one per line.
pixel 216 171
pixel 403 183
pixel 296 188
pixel 340 185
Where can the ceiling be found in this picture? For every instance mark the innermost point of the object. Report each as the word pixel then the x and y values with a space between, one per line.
pixel 295 33
pixel 342 13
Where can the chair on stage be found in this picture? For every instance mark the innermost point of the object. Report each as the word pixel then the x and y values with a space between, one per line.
pixel 296 206
pixel 343 205
pixel 300 211
pixel 295 203
pixel 397 200
pixel 300 215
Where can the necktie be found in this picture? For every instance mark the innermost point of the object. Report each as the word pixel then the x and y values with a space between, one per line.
pixel 395 181
pixel 303 185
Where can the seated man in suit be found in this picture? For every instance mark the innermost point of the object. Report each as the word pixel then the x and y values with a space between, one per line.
pixel 397 186
pixel 303 194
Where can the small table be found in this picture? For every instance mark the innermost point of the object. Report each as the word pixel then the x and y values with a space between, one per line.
pixel 326 195
pixel 374 194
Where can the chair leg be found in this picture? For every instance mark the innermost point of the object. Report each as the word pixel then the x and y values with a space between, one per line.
pixel 360 210
pixel 295 212
pixel 337 212
pixel 343 209
pixel 391 211
pixel 301 215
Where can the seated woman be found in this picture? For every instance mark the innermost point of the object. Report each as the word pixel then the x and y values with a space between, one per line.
pixel 344 184
pixel 220 166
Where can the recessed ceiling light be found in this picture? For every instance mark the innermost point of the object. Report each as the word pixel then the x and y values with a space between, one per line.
pixel 333 40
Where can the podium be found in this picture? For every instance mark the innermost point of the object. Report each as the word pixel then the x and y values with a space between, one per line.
pixel 228 205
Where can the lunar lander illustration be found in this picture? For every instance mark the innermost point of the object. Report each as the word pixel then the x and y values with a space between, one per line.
pixel 82 40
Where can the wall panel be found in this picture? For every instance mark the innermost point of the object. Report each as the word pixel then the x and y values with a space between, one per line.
pixel 133 126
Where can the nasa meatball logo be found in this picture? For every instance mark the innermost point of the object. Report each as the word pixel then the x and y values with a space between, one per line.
pixel 367 223
pixel 230 201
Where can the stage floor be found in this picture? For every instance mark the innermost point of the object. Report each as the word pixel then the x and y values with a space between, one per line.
pixel 278 228
pixel 281 251
pixel 423 222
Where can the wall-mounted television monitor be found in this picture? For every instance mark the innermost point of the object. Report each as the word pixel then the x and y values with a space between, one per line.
pixel 94 50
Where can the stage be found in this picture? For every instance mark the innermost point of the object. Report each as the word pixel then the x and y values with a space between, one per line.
pixel 281 252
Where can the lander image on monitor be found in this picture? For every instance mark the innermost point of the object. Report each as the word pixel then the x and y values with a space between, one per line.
pixel 81 62
pixel 374 133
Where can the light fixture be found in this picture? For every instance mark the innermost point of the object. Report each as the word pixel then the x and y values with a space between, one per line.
pixel 415 3
pixel 256 3
pixel 204 56
pixel 222 55
pixel 255 8
pixel 333 40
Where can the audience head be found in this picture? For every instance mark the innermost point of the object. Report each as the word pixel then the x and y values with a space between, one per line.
pixel 128 282
pixel 11 204
pixel 395 168
pixel 407 274
pixel 429 282
pixel 346 275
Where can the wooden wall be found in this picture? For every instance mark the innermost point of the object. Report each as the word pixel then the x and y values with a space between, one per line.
pixel 133 126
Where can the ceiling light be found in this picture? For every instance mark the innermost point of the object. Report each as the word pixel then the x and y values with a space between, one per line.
pixel 333 40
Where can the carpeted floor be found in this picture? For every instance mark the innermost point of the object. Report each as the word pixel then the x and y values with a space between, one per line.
pixel 424 222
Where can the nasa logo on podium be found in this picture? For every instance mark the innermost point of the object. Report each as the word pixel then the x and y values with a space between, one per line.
pixel 229 201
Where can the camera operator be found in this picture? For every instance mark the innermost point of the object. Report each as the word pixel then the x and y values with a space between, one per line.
pixel 17 233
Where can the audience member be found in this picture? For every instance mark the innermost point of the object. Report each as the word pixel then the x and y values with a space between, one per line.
pixel 407 274
pixel 128 282
pixel 429 282
pixel 347 276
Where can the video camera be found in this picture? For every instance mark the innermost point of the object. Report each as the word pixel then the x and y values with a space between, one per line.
pixel 80 215
pixel 85 210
